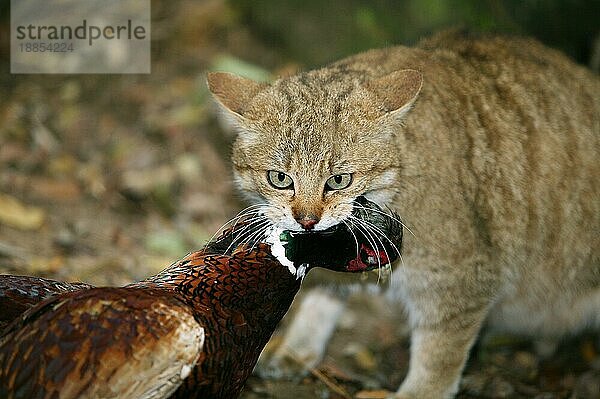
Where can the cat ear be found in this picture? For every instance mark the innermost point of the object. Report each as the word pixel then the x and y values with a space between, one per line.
pixel 233 92
pixel 397 91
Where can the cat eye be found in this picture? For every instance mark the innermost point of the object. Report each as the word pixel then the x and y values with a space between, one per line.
pixel 338 182
pixel 279 180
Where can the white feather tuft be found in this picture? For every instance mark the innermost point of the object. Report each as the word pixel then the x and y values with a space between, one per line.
pixel 278 251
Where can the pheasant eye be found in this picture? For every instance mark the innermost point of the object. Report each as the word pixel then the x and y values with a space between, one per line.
pixel 338 182
pixel 279 180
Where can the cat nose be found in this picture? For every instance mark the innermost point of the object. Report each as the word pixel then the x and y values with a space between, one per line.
pixel 308 222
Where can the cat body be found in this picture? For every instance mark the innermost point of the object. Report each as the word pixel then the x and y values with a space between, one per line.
pixel 487 148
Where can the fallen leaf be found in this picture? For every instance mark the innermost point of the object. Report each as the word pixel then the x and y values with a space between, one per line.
pixel 18 215
pixel 56 190
pixel 64 165
pixel 588 351
pixel 377 394
pixel 40 264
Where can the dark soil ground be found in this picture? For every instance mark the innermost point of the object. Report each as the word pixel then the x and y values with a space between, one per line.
pixel 108 179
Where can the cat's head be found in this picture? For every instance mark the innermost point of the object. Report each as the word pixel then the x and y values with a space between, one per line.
pixel 310 144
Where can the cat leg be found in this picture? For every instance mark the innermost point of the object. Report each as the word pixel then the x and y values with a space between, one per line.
pixel 305 341
pixel 437 360
pixel 446 314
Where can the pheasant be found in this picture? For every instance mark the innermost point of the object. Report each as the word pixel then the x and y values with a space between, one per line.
pixel 195 330
pixel 19 293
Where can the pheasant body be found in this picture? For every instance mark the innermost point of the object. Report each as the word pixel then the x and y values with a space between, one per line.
pixel 195 330
pixel 100 343
pixel 227 307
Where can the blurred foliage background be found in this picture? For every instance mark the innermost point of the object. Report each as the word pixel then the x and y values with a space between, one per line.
pixel 109 178
pixel 317 31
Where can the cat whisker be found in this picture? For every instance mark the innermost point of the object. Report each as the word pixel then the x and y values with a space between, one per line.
pixel 366 227
pixel 255 208
pixel 382 233
pixel 259 235
pixel 378 230
pixel 388 215
pixel 389 263
pixel 391 217
pixel 357 222
pixel 247 231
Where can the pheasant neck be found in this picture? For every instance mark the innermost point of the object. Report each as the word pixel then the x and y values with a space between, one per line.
pixel 239 299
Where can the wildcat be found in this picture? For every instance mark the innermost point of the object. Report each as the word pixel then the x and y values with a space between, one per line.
pixel 488 149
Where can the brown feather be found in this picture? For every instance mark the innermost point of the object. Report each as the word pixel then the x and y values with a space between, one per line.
pixel 19 293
